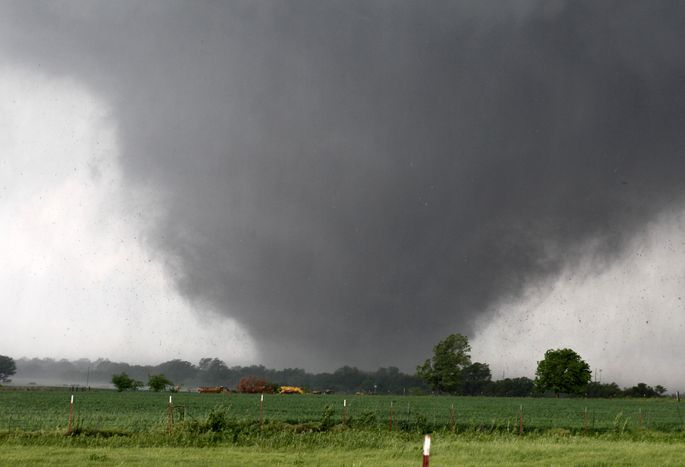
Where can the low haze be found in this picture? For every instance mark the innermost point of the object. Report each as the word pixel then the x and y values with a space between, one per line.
pixel 313 184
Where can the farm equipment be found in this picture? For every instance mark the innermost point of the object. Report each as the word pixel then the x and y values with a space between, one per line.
pixel 290 390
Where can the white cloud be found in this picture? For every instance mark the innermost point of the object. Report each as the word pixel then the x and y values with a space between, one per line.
pixel 626 318
pixel 75 280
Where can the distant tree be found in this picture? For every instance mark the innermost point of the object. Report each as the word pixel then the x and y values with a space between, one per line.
pixel 444 371
pixel 511 387
pixel 121 381
pixel 605 390
pixel 475 379
pixel 254 385
pixel 562 371
pixel 351 379
pixel 7 368
pixel 290 377
pixel 159 382
pixel 124 382
pixel 179 371
pixel 660 389
pixel 392 381
pixel 213 371
pixel 642 390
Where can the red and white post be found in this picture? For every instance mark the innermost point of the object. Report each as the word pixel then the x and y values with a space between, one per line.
pixel 426 450
pixel 170 416
pixel 71 414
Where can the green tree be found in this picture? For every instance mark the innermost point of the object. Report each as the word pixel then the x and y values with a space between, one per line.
pixel 179 371
pixel 443 372
pixel 475 379
pixel 605 390
pixel 562 370
pixel 643 390
pixel 511 387
pixel 122 382
pixel 159 382
pixel 7 368
pixel 213 371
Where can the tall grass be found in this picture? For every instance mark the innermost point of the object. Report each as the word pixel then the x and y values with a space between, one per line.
pixel 340 449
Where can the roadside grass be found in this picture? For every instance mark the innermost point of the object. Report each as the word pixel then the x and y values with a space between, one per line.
pixel 451 451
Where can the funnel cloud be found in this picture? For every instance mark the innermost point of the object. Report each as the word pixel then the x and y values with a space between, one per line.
pixel 352 181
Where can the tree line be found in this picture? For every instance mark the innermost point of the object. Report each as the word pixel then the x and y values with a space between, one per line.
pixel 215 372
pixel 561 371
pixel 449 371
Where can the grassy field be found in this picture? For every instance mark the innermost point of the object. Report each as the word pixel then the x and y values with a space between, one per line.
pixel 145 411
pixel 217 429
pixel 447 451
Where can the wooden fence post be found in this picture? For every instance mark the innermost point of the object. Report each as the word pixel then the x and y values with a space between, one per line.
pixel 452 418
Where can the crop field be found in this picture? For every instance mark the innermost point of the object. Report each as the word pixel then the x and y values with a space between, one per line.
pixel 145 411
pixel 133 428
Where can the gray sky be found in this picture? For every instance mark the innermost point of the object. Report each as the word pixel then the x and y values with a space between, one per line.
pixel 313 184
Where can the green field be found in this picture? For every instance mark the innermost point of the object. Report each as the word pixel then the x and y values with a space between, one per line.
pixel 145 411
pixel 113 428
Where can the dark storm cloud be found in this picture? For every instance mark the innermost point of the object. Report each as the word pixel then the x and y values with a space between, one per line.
pixel 354 180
